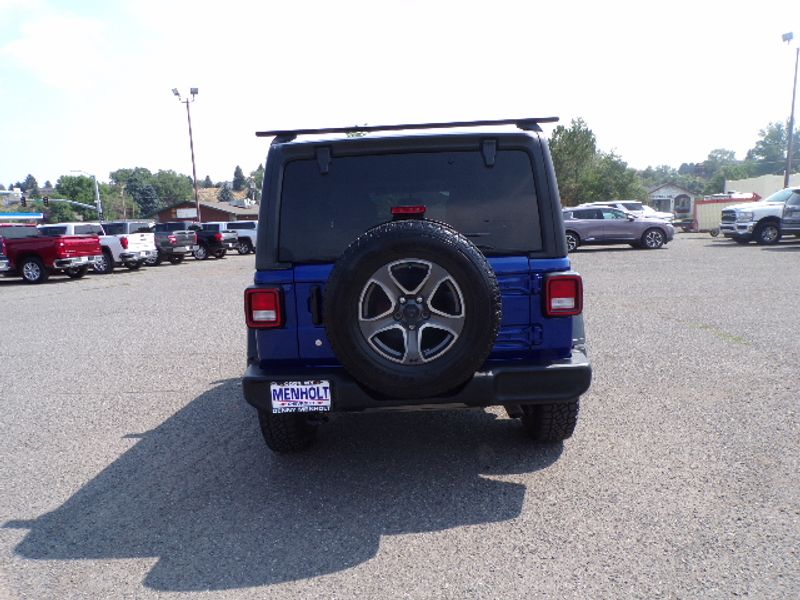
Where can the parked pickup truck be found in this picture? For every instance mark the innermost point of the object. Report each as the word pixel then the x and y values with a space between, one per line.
pixel 174 240
pixel 137 240
pixel 246 230
pixel 34 255
pixel 759 221
pixel 113 251
pixel 215 239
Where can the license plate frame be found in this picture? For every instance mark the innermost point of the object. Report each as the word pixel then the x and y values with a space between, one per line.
pixel 300 396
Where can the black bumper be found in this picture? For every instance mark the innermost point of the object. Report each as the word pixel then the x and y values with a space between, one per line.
pixel 508 385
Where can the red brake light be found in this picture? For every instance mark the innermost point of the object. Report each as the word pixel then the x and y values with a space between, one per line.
pixel 408 210
pixel 218 237
pixel 263 307
pixel 563 295
pixel 124 242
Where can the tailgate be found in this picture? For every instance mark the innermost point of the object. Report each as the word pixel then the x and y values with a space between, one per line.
pixel 78 245
pixel 138 242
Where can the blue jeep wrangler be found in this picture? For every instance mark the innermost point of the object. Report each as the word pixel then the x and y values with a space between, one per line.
pixel 419 269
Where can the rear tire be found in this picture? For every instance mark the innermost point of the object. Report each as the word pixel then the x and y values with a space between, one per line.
pixel 201 253
pixel 285 433
pixel 76 272
pixel 550 423
pixel 245 247
pixel 33 270
pixel 175 259
pixel 573 241
pixel 106 264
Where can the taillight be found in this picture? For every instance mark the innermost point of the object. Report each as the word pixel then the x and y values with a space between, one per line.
pixel 172 239
pixel 263 307
pixel 218 237
pixel 124 242
pixel 195 238
pixel 563 295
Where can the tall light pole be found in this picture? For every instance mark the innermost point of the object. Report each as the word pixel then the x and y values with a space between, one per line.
pixel 97 202
pixel 193 92
pixel 787 37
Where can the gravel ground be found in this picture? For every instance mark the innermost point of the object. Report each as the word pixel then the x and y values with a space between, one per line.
pixel 133 468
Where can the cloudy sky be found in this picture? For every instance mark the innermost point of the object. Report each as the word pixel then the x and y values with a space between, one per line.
pixel 85 84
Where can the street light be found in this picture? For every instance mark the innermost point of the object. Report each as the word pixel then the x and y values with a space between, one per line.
pixel 97 202
pixel 193 93
pixel 787 37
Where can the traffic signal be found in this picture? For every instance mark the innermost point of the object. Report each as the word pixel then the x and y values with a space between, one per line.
pixel 46 200
pixel 23 201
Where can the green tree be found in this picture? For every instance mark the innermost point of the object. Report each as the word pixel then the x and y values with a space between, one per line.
pixel 76 187
pixel 573 151
pixel 172 187
pixel 225 194
pixel 609 177
pixel 239 182
pixel 138 185
pixel 769 153
pixel 207 183
pixel 258 176
pixel 30 186
pixel 59 212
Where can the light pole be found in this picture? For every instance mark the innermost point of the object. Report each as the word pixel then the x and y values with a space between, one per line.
pixel 97 202
pixel 787 37
pixel 193 92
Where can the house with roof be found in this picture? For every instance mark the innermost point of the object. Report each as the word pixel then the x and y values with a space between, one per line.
pixel 668 197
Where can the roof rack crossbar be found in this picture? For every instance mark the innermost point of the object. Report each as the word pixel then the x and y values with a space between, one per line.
pixel 527 124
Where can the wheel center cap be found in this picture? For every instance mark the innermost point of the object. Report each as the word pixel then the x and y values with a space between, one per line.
pixel 411 313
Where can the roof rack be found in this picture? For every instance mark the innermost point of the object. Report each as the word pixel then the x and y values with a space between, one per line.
pixel 526 124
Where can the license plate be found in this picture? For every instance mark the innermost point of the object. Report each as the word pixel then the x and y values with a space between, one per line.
pixel 182 249
pixel 83 259
pixel 142 253
pixel 300 396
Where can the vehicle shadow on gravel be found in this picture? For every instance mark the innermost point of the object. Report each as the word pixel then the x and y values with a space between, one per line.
pixel 203 495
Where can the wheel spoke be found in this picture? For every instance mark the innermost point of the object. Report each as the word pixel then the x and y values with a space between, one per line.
pixel 413 351
pixel 435 277
pixel 451 323
pixel 371 327
pixel 384 278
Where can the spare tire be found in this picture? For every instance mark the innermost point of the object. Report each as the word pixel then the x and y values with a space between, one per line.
pixel 412 309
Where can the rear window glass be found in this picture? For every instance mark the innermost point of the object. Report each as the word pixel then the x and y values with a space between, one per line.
pixel 172 226
pixel 53 230
pixel 12 233
pixel 495 207
pixel 140 228
pixel 88 230
pixel 242 225
pixel 114 228
pixel 211 227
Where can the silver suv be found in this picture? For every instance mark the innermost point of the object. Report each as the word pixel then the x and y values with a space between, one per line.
pixel 604 225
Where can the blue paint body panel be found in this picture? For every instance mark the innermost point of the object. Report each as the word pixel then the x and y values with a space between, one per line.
pixel 525 333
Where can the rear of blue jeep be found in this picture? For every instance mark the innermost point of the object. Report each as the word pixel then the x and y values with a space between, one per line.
pixel 409 272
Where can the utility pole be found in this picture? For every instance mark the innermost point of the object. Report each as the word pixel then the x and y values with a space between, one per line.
pixel 787 37
pixel 193 92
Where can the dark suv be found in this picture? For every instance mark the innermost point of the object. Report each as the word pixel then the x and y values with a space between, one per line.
pixel 420 270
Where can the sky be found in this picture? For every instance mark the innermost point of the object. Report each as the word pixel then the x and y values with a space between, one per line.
pixel 86 85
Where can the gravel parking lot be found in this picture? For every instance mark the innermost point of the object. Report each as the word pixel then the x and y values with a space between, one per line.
pixel 132 467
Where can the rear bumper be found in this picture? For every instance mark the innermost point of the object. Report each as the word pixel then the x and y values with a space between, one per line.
pixel 76 261
pixel 507 385
pixel 137 256
pixel 5 265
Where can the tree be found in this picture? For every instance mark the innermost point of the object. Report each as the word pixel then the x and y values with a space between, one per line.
pixel 609 177
pixel 573 151
pixel 171 187
pixel 76 187
pixel 239 182
pixel 29 185
pixel 207 183
pixel 769 153
pixel 48 185
pixel 258 176
pixel 2 187
pixel 225 194
pixel 59 212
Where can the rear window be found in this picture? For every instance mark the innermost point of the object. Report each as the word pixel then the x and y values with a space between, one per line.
pixel 211 227
pixel 53 230
pixel 13 233
pixel 172 226
pixel 140 227
pixel 88 230
pixel 114 228
pixel 495 207
pixel 242 225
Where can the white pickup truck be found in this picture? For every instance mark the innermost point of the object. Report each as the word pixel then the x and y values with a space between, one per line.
pixel 246 230
pixel 130 251
pixel 759 221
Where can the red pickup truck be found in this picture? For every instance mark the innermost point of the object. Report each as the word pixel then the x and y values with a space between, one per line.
pixel 33 256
